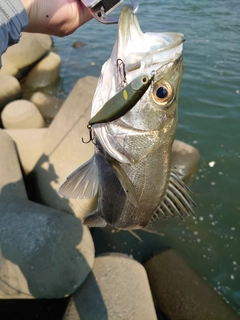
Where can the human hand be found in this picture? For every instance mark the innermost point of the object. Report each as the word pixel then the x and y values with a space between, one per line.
pixel 55 17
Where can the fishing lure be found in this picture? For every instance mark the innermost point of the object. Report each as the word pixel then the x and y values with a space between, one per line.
pixel 123 101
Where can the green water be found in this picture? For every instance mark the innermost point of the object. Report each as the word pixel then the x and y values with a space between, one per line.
pixel 209 119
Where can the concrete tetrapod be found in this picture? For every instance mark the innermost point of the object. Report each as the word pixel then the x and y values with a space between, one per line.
pixel 185 158
pixel 44 253
pixel 23 55
pixel 11 180
pixel 21 114
pixel 10 90
pixel 180 293
pixel 116 289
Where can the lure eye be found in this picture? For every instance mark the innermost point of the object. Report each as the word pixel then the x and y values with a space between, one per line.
pixel 162 93
pixel 144 79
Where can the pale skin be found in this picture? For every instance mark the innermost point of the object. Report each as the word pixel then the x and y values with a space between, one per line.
pixel 55 17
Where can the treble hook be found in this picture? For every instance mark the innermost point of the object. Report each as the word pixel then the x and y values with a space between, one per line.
pixel 91 135
pixel 122 72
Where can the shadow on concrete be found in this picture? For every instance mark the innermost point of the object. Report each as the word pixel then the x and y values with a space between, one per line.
pixel 87 303
pixel 39 309
pixel 40 243
pixel 42 175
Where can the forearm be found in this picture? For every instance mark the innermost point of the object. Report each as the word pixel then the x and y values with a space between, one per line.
pixel 13 19
pixel 55 17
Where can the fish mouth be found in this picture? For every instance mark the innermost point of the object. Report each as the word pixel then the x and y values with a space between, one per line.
pixel 141 50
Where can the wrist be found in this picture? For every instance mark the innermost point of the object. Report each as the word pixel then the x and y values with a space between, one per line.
pixel 33 19
pixel 26 5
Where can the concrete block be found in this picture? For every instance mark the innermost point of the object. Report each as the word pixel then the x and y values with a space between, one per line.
pixel 180 293
pixel 49 157
pixel 47 104
pixel 44 73
pixel 11 180
pixel 29 144
pixel 45 253
pixel 21 56
pixel 10 90
pixel 70 124
pixel 21 114
pixel 116 289
pixel 64 148
pixel 185 158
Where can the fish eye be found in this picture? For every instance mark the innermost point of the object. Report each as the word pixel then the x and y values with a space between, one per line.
pixel 162 93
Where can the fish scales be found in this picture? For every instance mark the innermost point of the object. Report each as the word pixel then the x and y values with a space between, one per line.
pixel 143 176
pixel 131 167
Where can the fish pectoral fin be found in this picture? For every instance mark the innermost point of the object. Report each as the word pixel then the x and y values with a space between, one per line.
pixel 127 185
pixel 82 183
pixel 94 219
pixel 177 201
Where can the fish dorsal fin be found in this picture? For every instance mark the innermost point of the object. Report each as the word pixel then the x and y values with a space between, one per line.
pixel 82 183
pixel 127 185
pixel 177 201
pixel 94 219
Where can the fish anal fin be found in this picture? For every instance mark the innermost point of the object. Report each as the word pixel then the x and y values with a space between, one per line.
pixel 149 228
pixel 94 219
pixel 135 235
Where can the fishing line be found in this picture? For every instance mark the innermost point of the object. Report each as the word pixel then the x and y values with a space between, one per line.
pixel 64 137
pixel 63 67
pixel 57 88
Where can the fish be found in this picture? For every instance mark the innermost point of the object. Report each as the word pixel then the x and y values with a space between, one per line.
pixel 131 167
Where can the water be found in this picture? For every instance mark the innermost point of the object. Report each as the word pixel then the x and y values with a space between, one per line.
pixel 209 119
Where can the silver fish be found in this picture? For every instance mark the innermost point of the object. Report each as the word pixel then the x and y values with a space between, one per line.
pixel 131 167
